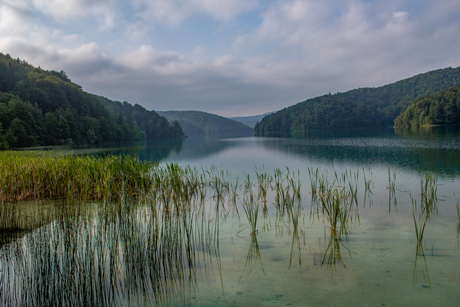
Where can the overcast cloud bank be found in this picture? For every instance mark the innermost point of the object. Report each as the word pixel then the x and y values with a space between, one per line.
pixel 231 57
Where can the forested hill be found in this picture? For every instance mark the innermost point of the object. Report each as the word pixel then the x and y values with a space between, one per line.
pixel 39 107
pixel 202 124
pixel 359 108
pixel 442 108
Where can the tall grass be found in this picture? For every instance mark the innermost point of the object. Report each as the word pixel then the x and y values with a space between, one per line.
pixel 26 176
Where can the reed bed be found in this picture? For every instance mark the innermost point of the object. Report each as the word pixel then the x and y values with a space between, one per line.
pixel 26 176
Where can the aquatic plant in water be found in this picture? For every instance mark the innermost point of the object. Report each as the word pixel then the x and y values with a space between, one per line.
pixel 428 205
pixel 337 201
pixel 117 255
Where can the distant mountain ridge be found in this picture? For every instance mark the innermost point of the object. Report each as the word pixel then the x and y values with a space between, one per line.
pixel 358 108
pixel 202 124
pixel 250 121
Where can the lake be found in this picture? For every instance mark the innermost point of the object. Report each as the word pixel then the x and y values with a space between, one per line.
pixel 391 237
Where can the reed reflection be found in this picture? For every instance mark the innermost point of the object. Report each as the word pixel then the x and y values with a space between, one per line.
pixel 253 257
pixel 114 255
pixel 421 214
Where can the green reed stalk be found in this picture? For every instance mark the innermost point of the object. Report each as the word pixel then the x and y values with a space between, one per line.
pixel 251 209
pixel 337 201
pixel 428 205
pixel 457 205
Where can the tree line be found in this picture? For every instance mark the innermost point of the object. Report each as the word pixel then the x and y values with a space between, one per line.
pixel 44 108
pixel 442 108
pixel 358 108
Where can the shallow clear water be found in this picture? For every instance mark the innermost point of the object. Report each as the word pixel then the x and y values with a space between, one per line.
pixel 135 256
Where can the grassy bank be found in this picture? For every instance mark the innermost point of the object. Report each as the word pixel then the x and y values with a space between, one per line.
pixel 54 175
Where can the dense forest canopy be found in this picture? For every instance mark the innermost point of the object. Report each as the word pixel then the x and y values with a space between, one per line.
pixel 359 108
pixel 197 123
pixel 39 107
pixel 442 108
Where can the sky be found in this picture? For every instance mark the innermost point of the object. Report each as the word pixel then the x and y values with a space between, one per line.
pixel 231 57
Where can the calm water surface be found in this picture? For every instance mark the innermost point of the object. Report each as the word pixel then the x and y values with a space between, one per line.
pixel 132 254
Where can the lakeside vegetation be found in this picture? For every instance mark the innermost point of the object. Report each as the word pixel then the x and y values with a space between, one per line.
pixel 157 226
pixel 202 124
pixel 358 108
pixel 442 108
pixel 40 107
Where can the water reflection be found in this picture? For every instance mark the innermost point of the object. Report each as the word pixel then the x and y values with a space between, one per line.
pixel 167 251
pixel 253 257
pixel 153 150
pixel 19 219
pixel 109 255
pixel 435 149
pixel 333 253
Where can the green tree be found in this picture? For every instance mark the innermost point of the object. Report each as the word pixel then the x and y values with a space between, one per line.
pixel 3 143
pixel 52 129
pixel 17 135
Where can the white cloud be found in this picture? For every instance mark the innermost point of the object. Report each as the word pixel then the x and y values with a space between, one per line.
pixel 63 10
pixel 400 16
pixel 147 58
pixel 299 50
pixel 224 10
pixel 290 22
pixel 346 38
pixel 14 17
pixel 174 12
pixel 137 31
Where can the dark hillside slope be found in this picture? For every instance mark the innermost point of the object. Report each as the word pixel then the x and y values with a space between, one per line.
pixel 196 123
pixel 359 108
pixel 442 108
pixel 39 107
